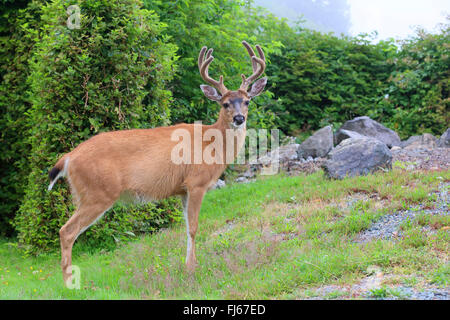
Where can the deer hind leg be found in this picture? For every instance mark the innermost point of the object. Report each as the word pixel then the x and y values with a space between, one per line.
pixel 192 203
pixel 86 214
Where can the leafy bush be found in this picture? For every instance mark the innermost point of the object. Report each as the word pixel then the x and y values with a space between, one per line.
pixel 419 86
pixel 111 73
pixel 19 23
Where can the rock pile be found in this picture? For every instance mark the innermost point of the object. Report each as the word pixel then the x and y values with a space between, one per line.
pixel 359 147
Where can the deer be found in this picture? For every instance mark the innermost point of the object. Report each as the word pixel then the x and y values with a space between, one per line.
pixel 137 163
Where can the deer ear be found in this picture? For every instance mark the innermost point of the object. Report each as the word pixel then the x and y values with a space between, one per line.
pixel 210 93
pixel 257 87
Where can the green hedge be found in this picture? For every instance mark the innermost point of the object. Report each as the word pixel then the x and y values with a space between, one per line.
pixel 419 86
pixel 19 25
pixel 111 73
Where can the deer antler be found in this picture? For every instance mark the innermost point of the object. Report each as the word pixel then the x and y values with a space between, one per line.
pixel 258 64
pixel 203 65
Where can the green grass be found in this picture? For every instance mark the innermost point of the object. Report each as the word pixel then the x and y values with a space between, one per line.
pixel 384 292
pixel 278 238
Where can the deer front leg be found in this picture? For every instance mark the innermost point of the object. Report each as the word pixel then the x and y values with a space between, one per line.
pixel 192 203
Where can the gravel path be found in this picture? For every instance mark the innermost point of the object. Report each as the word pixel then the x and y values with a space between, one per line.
pixel 426 294
pixel 387 227
pixel 366 289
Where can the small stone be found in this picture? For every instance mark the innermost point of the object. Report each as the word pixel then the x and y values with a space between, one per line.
pixel 241 180
pixel 219 184
pixel 249 174
pixel 420 142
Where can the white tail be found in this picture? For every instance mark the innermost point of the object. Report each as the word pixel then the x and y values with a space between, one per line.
pixel 59 173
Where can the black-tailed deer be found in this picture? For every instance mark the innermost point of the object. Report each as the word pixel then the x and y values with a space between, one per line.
pixel 139 163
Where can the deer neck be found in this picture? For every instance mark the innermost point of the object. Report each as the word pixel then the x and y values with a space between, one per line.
pixel 227 130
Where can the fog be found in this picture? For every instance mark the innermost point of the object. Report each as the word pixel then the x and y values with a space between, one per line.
pixel 398 18
pixel 323 15
pixel 390 18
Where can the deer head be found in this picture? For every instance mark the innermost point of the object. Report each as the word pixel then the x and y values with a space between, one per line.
pixel 234 103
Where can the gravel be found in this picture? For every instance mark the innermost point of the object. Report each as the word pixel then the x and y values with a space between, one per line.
pixel 387 227
pixel 422 158
pixel 367 287
pixel 426 294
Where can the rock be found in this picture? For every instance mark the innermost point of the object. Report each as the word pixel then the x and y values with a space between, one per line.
pixel 219 184
pixel 343 134
pixel 285 153
pixel 249 173
pixel 444 141
pixel 370 128
pixel 424 141
pixel 242 180
pixel 409 141
pixel 357 156
pixel 318 145
pixel 395 148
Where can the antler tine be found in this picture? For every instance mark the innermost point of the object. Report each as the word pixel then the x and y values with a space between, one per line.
pixel 203 65
pixel 251 53
pixel 261 53
pixel 258 64
pixel 201 57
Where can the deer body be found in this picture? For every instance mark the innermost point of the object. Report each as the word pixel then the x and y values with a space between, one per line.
pixel 138 165
pixel 128 161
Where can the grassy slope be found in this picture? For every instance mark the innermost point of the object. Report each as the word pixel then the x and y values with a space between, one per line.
pixel 275 238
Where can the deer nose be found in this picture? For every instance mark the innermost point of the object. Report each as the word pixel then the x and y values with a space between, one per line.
pixel 239 119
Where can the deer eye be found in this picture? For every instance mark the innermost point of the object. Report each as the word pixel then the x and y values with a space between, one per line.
pixel 226 105
pixel 247 102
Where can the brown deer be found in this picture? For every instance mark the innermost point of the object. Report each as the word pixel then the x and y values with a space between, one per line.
pixel 137 163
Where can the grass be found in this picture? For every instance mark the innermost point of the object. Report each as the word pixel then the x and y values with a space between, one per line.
pixel 277 238
pixel 384 292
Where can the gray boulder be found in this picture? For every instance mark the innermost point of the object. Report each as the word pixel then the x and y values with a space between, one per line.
pixel 370 128
pixel 357 156
pixel 318 145
pixel 219 185
pixel 444 141
pixel 343 134
pixel 424 141
pixel 281 155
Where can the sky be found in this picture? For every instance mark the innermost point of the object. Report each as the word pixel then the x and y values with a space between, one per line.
pixel 396 18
